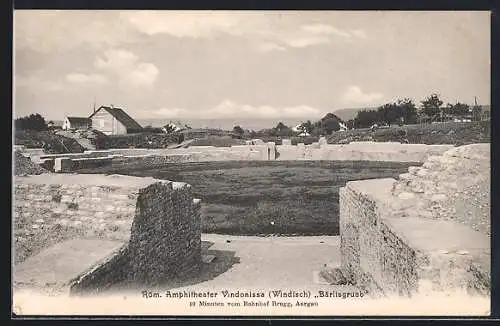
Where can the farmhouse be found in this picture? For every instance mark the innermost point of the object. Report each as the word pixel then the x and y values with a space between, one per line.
pixel 113 121
pixel 76 123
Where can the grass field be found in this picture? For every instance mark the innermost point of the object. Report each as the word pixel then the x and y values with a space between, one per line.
pixel 246 198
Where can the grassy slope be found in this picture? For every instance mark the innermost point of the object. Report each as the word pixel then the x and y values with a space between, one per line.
pixel 431 134
pixel 217 141
pixel 53 143
pixel 245 197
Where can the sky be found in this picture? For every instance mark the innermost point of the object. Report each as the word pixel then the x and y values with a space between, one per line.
pixel 242 66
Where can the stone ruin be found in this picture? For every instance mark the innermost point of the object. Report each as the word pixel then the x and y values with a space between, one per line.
pixel 254 150
pixel 163 216
pixel 426 232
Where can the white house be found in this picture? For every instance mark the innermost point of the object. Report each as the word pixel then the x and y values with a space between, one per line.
pixel 76 123
pixel 172 127
pixel 302 132
pixel 113 121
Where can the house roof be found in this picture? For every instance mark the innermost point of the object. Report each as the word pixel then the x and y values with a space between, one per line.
pixel 122 116
pixel 78 120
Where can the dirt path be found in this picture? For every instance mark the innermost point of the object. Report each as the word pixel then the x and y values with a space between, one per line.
pixel 265 262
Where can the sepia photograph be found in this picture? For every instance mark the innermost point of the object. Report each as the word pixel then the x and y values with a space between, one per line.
pixel 251 163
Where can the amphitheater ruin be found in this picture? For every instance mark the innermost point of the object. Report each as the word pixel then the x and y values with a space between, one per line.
pixel 426 231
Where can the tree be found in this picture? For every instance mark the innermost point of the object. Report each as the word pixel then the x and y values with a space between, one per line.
pixel 330 125
pixel 31 122
pixel 390 113
pixel 408 111
pixel 448 109
pixel 307 127
pixel 366 118
pixel 238 131
pixel 458 110
pixel 169 128
pixel 431 106
pixel 280 126
pixel 461 110
pixel 477 113
pixel 350 124
pixel 282 130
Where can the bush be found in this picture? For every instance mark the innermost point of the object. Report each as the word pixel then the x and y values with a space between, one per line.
pixel 431 134
pixel 142 140
pixel 50 142
pixel 390 135
pixel 295 140
pixel 223 141
pixel 32 122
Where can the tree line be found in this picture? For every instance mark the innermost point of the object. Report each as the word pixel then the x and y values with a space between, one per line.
pixel 31 122
pixel 404 111
pixel 325 126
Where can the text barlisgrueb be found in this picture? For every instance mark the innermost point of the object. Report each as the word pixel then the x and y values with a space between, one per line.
pixel 259 295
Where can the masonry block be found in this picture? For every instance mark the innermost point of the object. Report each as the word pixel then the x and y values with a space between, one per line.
pixel 165 240
pixel 63 164
pixel 396 249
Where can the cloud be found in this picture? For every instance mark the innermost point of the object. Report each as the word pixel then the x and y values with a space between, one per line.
pixel 170 113
pixel 265 31
pixel 230 109
pixel 60 31
pixel 182 24
pixel 354 94
pixel 70 83
pixel 313 34
pixel 79 78
pixel 304 41
pixel 359 33
pixel 127 68
pixel 38 84
pixel 324 29
pixel 268 47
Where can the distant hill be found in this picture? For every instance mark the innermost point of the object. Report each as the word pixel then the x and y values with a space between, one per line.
pixel 348 114
pixel 332 116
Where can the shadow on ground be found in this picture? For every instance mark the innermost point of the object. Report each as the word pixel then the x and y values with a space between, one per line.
pixel 221 262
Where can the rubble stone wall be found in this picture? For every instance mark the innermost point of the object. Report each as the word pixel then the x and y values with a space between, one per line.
pixel 165 238
pixel 361 151
pixel 151 158
pixel 426 231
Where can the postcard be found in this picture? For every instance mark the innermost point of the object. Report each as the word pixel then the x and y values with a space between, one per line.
pixel 251 163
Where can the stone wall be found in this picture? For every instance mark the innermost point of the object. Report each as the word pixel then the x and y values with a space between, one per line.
pixel 56 194
pixel 152 158
pixel 361 151
pixel 103 276
pixel 402 237
pixel 156 158
pixel 165 239
pixel 372 255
